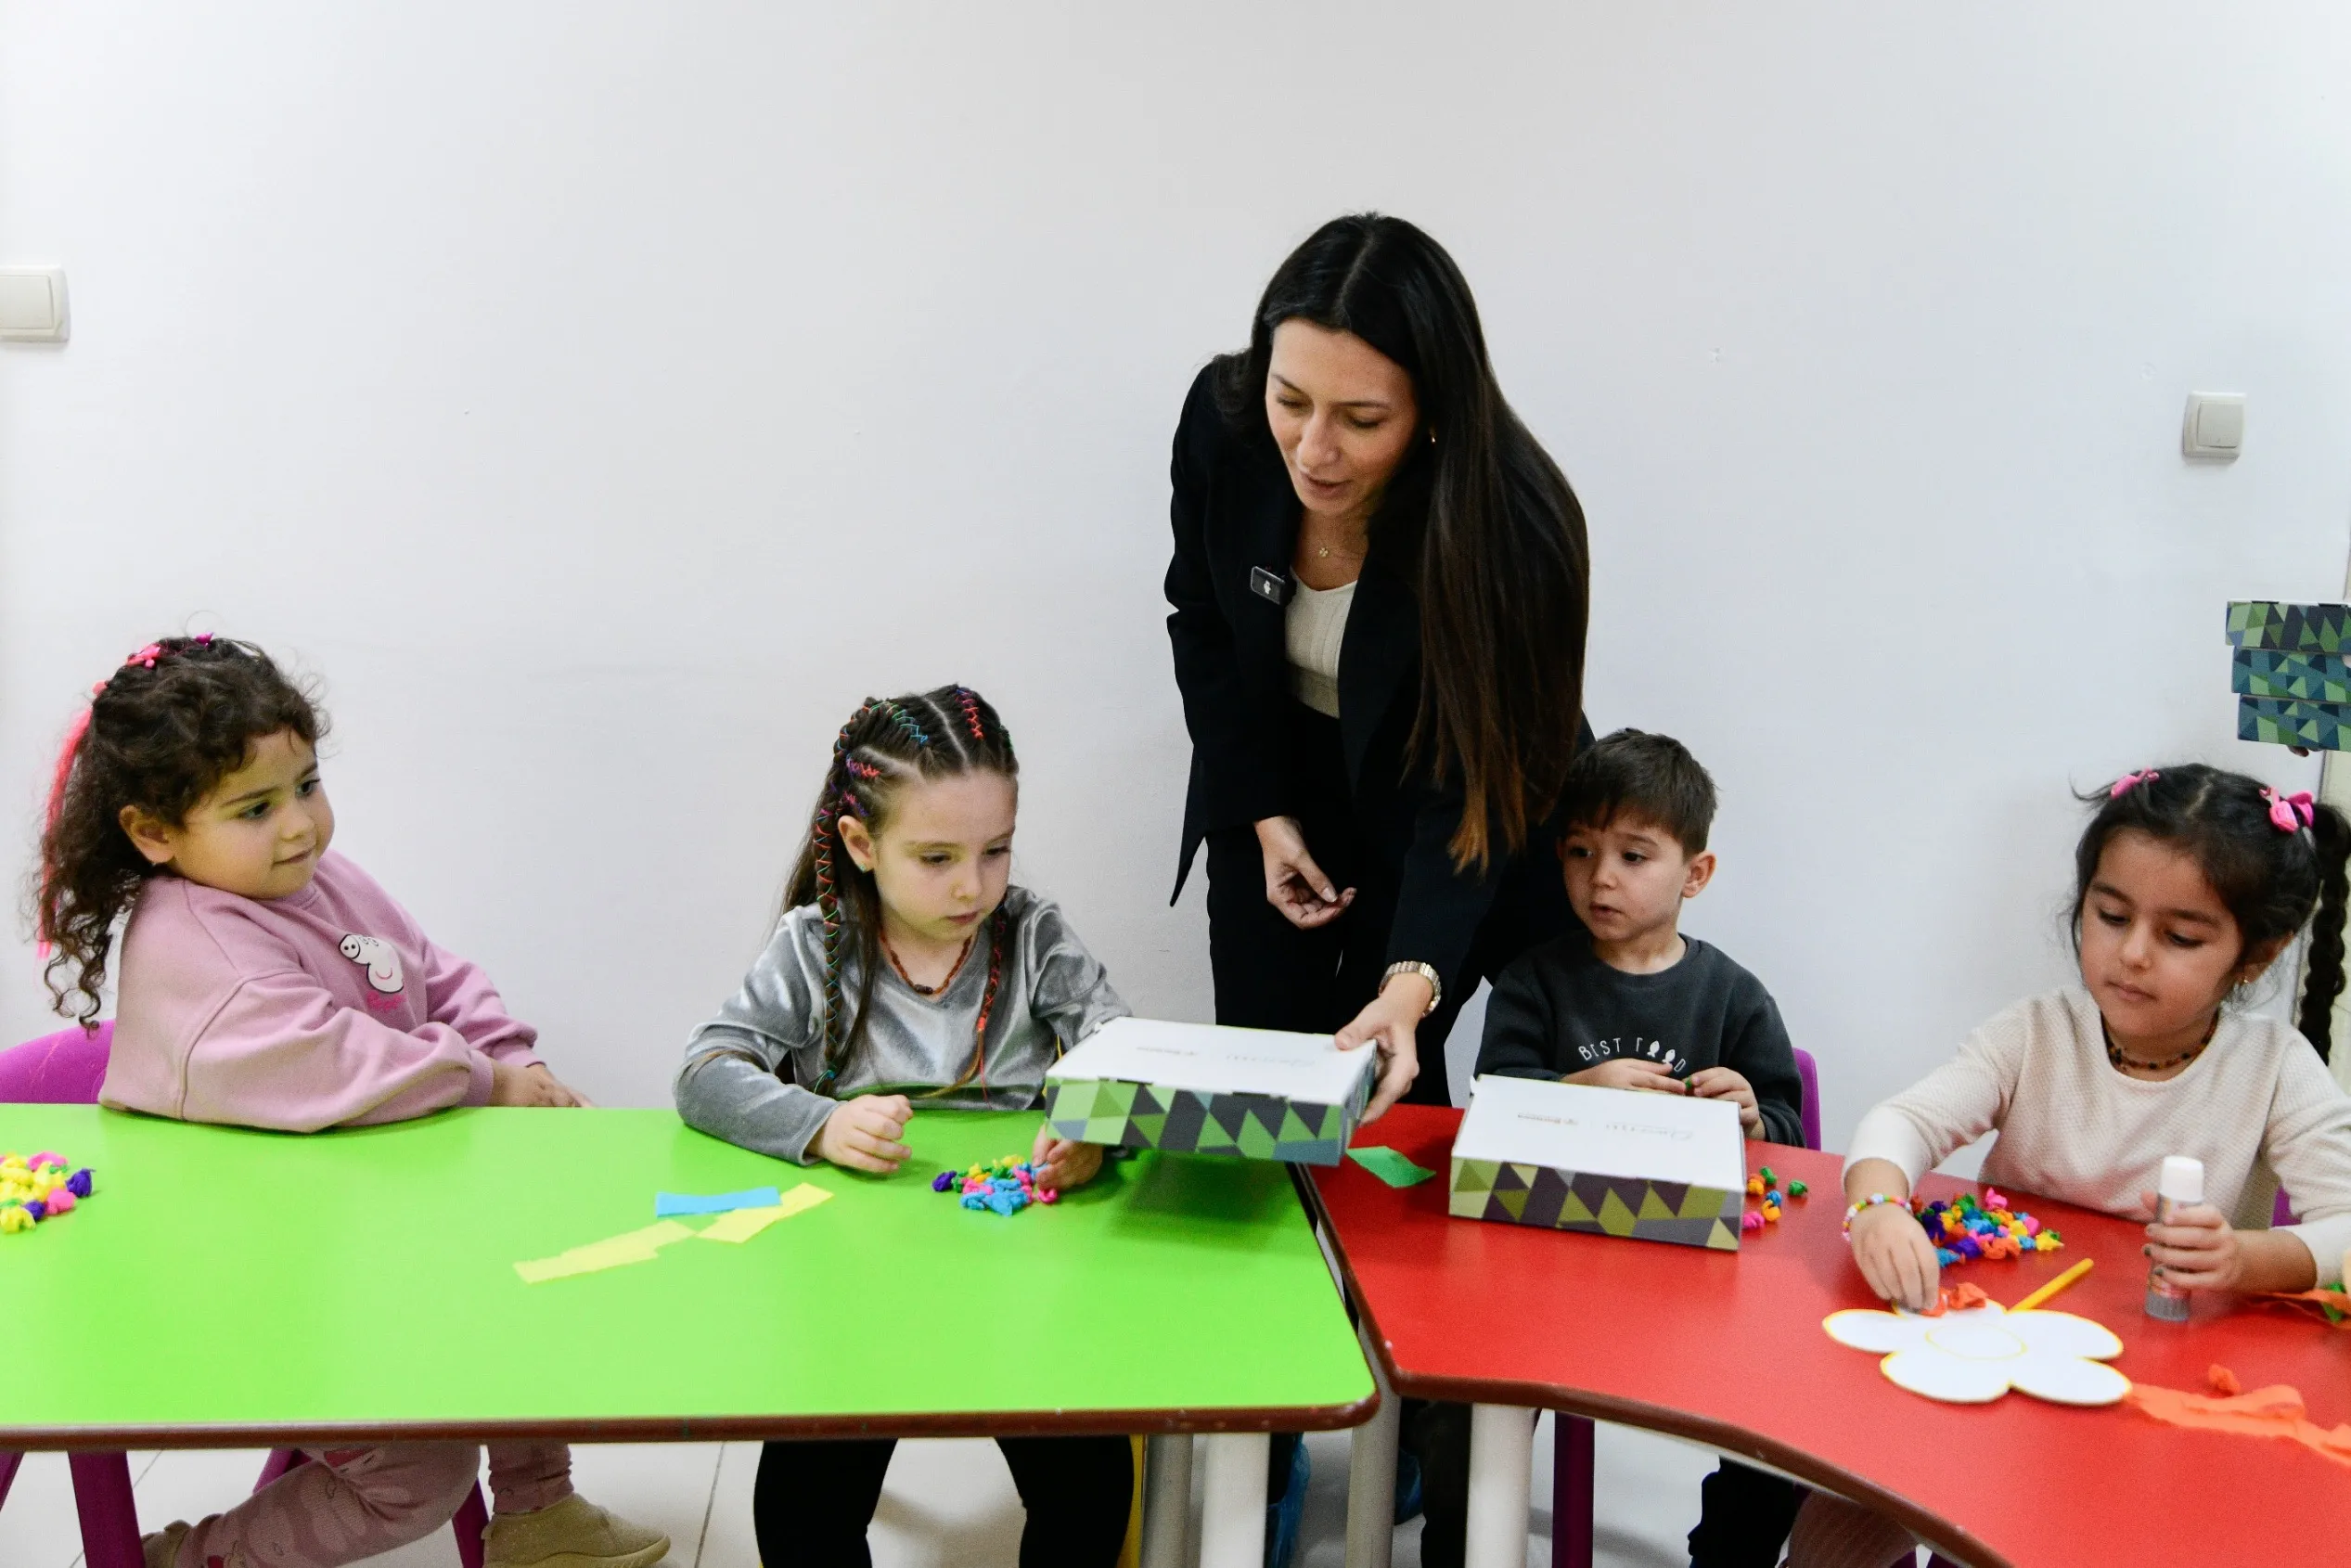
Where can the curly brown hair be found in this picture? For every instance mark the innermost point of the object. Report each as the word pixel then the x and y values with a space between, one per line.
pixel 181 716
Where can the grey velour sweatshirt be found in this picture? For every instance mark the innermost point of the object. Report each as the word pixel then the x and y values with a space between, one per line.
pixel 745 1074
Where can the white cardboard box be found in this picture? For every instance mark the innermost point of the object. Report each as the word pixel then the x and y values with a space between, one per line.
pixel 1197 1088
pixel 1655 1166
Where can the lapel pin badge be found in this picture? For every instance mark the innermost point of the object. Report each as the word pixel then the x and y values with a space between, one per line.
pixel 1266 587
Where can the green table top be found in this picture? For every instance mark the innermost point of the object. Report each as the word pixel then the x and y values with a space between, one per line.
pixel 234 1288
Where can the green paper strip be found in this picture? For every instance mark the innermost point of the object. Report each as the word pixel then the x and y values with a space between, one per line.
pixel 1389 1165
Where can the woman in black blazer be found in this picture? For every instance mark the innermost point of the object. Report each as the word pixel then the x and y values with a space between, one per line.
pixel 1378 835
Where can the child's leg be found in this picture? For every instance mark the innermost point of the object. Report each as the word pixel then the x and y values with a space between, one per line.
pixel 351 1503
pixel 1078 1491
pixel 1438 1432
pixel 1832 1532
pixel 812 1501
pixel 526 1477
pixel 538 1519
pixel 1742 1518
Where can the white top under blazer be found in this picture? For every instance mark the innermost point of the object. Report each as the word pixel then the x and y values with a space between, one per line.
pixel 1313 627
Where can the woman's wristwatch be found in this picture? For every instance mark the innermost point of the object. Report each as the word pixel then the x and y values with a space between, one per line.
pixel 1427 973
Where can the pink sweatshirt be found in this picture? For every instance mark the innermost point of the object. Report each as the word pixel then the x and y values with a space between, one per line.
pixel 327 1007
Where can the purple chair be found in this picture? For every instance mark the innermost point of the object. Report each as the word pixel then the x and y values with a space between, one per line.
pixel 1571 1442
pixel 66 1069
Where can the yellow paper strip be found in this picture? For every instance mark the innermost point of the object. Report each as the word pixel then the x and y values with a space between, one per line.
pixel 583 1260
pixel 744 1224
pixel 660 1235
pixel 635 1246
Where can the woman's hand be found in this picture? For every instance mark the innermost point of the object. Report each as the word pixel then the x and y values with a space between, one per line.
pixel 531 1085
pixel 1389 1023
pixel 862 1133
pixel 1294 885
pixel 1060 1164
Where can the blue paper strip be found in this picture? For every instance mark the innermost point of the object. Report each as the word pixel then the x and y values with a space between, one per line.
pixel 668 1205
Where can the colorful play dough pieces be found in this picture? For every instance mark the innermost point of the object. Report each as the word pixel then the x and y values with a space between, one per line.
pixel 37 1188
pixel 1763 1187
pixel 1966 1228
pixel 1005 1188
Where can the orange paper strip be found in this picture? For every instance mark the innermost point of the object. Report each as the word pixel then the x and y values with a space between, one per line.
pixel 2275 1412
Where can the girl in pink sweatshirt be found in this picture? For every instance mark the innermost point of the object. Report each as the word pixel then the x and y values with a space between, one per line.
pixel 267 982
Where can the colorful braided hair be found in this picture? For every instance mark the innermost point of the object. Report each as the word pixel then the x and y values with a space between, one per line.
pixel 176 718
pixel 2273 878
pixel 940 734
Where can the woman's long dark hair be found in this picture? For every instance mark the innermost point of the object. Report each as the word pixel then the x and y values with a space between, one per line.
pixel 180 715
pixel 2272 879
pixel 1482 521
pixel 888 740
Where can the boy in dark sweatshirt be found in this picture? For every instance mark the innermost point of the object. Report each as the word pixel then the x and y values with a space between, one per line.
pixel 1630 1002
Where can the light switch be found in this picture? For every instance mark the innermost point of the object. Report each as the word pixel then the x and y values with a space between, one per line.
pixel 2214 426
pixel 32 305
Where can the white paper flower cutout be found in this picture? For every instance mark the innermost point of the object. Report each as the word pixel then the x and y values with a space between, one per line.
pixel 1973 1356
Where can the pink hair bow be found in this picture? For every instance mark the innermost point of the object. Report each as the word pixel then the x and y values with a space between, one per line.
pixel 2130 781
pixel 2289 813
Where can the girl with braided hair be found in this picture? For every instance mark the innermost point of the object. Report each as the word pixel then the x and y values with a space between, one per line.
pixel 907 970
pixel 2190 884
pixel 268 981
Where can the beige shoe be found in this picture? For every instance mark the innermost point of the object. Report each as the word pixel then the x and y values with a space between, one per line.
pixel 162 1549
pixel 573 1534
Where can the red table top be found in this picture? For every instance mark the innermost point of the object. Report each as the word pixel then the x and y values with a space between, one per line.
pixel 1728 1349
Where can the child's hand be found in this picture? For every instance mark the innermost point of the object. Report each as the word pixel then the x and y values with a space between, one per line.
pixel 863 1133
pixel 511 1085
pixel 1059 1164
pixel 1721 1083
pixel 2196 1251
pixel 1896 1257
pixel 1628 1072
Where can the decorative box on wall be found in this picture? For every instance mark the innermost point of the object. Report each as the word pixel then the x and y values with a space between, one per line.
pixel 1654 1167
pixel 1196 1088
pixel 2291 673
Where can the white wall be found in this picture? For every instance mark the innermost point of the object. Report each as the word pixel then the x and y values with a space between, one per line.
pixel 602 398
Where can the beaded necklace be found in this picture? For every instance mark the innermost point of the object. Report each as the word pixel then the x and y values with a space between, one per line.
pixel 918 987
pixel 2123 1063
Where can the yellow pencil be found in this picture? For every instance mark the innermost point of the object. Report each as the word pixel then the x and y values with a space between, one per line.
pixel 2029 1303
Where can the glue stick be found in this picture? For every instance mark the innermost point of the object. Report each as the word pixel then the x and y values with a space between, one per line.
pixel 2181 1186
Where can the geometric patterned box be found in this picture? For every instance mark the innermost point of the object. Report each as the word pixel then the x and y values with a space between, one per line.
pixel 2290 628
pixel 1196 1088
pixel 1652 1167
pixel 2322 727
pixel 2297 677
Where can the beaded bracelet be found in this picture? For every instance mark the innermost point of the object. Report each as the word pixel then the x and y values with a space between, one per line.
pixel 1871 1201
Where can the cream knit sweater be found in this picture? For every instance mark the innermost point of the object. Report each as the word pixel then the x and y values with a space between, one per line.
pixel 2257 1107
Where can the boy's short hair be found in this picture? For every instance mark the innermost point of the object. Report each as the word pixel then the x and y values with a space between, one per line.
pixel 1653 777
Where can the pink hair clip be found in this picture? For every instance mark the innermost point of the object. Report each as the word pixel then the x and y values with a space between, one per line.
pixel 146 656
pixel 2289 813
pixel 2130 781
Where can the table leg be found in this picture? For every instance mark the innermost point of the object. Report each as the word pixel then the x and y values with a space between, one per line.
pixel 1372 1485
pixel 1501 1455
pixel 109 1516
pixel 1167 1501
pixel 1570 1492
pixel 1232 1524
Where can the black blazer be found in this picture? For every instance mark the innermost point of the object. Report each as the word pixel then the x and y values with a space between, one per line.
pixel 1236 522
